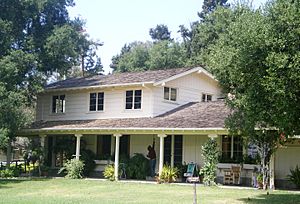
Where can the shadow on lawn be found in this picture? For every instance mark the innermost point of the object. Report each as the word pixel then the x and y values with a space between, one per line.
pixel 273 198
pixel 5 183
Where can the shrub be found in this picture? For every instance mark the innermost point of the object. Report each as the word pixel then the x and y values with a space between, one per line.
pixel 137 167
pixel 7 173
pixel 295 176
pixel 169 174
pixel 74 168
pixel 210 154
pixel 109 172
pixel 88 157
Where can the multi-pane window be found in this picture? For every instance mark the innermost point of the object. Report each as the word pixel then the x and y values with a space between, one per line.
pixel 58 104
pixel 206 97
pixel 232 147
pixel 97 101
pixel 133 99
pixel 170 94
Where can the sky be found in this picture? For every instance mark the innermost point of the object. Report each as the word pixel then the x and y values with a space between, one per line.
pixel 116 22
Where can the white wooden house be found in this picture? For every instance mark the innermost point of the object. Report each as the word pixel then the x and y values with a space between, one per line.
pixel 123 112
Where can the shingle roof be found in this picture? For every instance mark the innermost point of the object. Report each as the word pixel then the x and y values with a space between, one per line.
pixel 192 115
pixel 118 78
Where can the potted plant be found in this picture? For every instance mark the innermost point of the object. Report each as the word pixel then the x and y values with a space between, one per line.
pixel 259 180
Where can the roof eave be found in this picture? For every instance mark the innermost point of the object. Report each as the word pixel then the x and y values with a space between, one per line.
pixel 96 87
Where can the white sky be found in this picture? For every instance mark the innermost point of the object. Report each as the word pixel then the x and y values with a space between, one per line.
pixel 116 22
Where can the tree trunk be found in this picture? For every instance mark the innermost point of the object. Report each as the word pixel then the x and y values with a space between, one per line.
pixel 8 153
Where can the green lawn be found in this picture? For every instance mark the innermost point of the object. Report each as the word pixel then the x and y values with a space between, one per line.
pixel 44 191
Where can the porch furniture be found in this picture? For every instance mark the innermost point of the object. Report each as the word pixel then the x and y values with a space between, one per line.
pixel 191 170
pixel 232 176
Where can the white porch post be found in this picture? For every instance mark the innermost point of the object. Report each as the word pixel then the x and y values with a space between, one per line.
pixel 161 152
pixel 232 147
pixel 172 150
pixel 42 140
pixel 117 150
pixel 272 172
pixel 77 155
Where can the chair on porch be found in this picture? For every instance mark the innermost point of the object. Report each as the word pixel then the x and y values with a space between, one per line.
pixel 191 170
pixel 232 176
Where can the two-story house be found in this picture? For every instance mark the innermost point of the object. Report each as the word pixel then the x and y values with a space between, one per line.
pixel 123 113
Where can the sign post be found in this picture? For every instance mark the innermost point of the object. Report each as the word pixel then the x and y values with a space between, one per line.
pixel 194 180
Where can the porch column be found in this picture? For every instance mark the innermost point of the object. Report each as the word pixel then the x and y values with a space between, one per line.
pixel 232 147
pixel 42 141
pixel 172 150
pixel 117 150
pixel 77 155
pixel 272 176
pixel 161 152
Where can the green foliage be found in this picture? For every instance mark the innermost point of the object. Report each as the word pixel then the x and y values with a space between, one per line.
pixel 169 174
pixel 137 167
pixel 88 157
pixel 7 173
pixel 109 172
pixel 139 56
pixel 160 32
pixel 209 6
pixel 37 38
pixel 210 155
pixel 74 169
pixel 295 176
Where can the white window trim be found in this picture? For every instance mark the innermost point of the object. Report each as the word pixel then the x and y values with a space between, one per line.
pixel 124 100
pixel 88 102
pixel 212 96
pixel 169 100
pixel 51 105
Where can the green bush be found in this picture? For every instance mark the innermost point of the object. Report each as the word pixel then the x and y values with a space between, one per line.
pixel 74 168
pixel 169 174
pixel 88 157
pixel 7 173
pixel 109 172
pixel 210 155
pixel 295 176
pixel 137 167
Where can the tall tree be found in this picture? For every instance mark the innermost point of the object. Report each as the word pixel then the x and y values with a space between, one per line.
pixel 37 38
pixel 261 74
pixel 160 32
pixel 209 6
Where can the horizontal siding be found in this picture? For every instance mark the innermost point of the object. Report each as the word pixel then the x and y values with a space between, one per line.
pixel 190 89
pixel 77 106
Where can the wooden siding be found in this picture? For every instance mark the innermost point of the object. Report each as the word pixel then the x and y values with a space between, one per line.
pixel 189 89
pixel 77 105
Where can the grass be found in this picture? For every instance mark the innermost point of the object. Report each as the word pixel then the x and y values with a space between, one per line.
pixel 47 191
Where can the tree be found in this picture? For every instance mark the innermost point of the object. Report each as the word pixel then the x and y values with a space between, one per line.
pixel 261 74
pixel 160 32
pixel 37 38
pixel 209 6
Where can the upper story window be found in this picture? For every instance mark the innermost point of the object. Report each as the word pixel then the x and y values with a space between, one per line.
pixel 170 94
pixel 97 101
pixel 58 104
pixel 133 99
pixel 206 97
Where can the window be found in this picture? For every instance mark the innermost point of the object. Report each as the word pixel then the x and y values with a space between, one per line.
pixel 170 94
pixel 97 101
pixel 206 97
pixel 58 104
pixel 133 99
pixel 232 148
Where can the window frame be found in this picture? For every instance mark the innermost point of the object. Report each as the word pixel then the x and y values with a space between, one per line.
pixel 206 96
pixel 234 153
pixel 169 99
pixel 97 102
pixel 133 100
pixel 60 107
